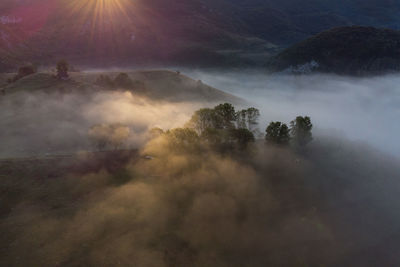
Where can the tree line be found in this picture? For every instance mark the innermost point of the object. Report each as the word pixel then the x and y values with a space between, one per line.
pixel 225 129
pixel 221 128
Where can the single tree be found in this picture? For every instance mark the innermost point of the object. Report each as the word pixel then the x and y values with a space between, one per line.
pixel 227 116
pixel 241 119
pixel 62 70
pixel 253 116
pixel 300 130
pixel 23 72
pixel 26 70
pixel 277 133
pixel 248 119
pixel 203 119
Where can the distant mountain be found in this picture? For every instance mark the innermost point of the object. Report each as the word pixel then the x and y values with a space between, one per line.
pixel 187 32
pixel 286 22
pixel 344 50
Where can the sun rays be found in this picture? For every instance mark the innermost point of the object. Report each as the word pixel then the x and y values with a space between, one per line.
pixel 102 24
pixel 101 13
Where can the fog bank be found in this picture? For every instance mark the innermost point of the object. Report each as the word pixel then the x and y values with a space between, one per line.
pixel 40 123
pixel 363 109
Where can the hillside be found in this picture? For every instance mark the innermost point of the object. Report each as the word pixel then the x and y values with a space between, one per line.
pixel 168 85
pixel 195 32
pixel 345 50
pixel 157 85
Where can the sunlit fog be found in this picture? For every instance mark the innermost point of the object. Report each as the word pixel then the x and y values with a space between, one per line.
pixel 188 133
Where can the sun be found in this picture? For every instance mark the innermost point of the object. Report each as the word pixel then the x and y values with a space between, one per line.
pixel 100 10
pixel 97 20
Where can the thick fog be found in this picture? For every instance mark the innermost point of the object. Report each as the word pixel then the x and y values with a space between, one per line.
pixel 39 123
pixel 190 206
pixel 184 204
pixel 362 109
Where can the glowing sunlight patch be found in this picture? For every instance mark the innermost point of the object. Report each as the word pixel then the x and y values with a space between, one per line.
pixel 100 11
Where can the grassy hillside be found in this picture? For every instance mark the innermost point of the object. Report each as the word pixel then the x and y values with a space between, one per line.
pixel 157 85
pixel 168 85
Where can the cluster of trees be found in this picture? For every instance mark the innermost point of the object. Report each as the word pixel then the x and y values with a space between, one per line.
pixel 122 80
pixel 223 128
pixel 224 117
pixel 299 133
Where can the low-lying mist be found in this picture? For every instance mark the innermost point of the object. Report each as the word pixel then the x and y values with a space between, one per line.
pixel 362 109
pixel 38 123
pixel 335 205
pixel 184 203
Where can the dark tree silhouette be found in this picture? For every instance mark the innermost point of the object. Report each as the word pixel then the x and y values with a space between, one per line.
pixel 203 119
pixel 221 117
pixel 277 133
pixel 248 119
pixel 62 70
pixel 226 114
pixel 221 128
pixel 253 116
pixel 300 130
pixel 23 72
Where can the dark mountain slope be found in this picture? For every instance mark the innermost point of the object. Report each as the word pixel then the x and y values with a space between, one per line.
pixel 189 32
pixel 345 50
pixel 290 21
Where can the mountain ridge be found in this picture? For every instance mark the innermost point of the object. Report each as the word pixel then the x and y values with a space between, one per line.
pixel 153 32
pixel 344 50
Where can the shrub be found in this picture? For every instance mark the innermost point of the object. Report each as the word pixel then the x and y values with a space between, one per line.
pixel 23 72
